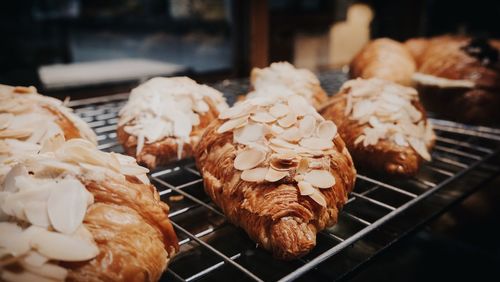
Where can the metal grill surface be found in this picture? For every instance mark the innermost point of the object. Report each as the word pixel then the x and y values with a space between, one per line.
pixel 211 249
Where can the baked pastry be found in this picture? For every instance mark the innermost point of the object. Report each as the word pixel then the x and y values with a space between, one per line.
pixel 459 78
pixel 165 117
pixel 28 116
pixel 277 169
pixel 74 213
pixel 383 124
pixel 282 78
pixel 386 59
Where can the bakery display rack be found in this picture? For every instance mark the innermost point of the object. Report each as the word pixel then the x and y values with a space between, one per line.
pixel 378 213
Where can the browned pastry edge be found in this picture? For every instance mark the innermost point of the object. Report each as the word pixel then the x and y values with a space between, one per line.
pixel 274 215
pixel 67 126
pixel 386 156
pixel 165 151
pixel 384 58
pixel 131 228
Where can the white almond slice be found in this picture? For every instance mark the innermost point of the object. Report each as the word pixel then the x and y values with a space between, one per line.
pixel 362 109
pixel 283 143
pixel 307 125
pixel 35 259
pixel 5 120
pixel 36 213
pixel 249 159
pixel 67 205
pixel 258 145
pixel 15 133
pixel 48 270
pixel 263 117
pixel 305 188
pixel 281 150
pixel 273 175
pixel 201 106
pixel 63 247
pixel 252 132
pixel 318 198
pixel 257 174
pixel 53 143
pixel 12 239
pixel 279 110
pixel 359 139
pixel 291 134
pixel 400 140
pixel 276 129
pixel 59 166
pixel 231 124
pixel 288 157
pixel 9 183
pixel 299 105
pixel 316 143
pixel 348 107
pixel 320 178
pixel 238 111
pixel 23 276
pixel 195 119
pixel 326 130
pixel 303 166
pixel 133 170
pixel 420 148
pixel 289 120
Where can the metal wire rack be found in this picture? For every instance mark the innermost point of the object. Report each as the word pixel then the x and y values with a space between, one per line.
pixel 211 249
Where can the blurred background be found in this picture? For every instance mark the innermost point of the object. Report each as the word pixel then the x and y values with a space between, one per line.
pixel 58 45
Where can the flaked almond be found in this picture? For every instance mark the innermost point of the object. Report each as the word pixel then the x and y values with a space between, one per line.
pixel 359 139
pixel 249 158
pixel 263 117
pixel 35 259
pixel 48 270
pixel 318 198
pixel 9 183
pixel 231 124
pixel 291 134
pixel 249 133
pixel 276 129
pixel 399 140
pixel 133 169
pixel 282 143
pixel 320 178
pixel 316 143
pixel 12 239
pixel 280 150
pixel 257 174
pixel 307 125
pixel 24 89
pixel 419 147
pixel 15 133
pixel 279 110
pixel 5 120
pixel 288 120
pixel 303 166
pixel 36 213
pixel 326 130
pixel 299 105
pixel 282 165
pixel 273 175
pixel 239 110
pixel 305 188
pixel 53 143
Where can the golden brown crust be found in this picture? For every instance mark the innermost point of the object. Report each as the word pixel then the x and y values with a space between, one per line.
pixel 274 215
pixel 131 227
pixel 165 151
pixel 385 156
pixel 384 58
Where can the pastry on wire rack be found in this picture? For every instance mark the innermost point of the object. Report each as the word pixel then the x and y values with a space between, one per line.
pixel 277 169
pixel 282 78
pixel 383 124
pixel 164 118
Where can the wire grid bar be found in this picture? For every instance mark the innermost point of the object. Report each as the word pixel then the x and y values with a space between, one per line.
pixel 458 150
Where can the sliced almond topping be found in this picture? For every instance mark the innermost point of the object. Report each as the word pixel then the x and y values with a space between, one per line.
pixel 318 198
pixel 24 89
pixel 320 178
pixel 264 117
pixel 299 105
pixel 237 111
pixel 273 175
pixel 282 165
pixel 289 120
pixel 291 134
pixel 53 143
pixel 303 166
pixel 249 133
pixel 48 270
pixel 257 174
pixel 305 188
pixel 283 143
pixel 231 124
pixel 326 130
pixel 5 120
pixel 276 129
pixel 419 147
pixel 35 259
pixel 359 139
pixel 15 133
pixel 307 125
pixel 316 143
pixel 133 170
pixel 279 110
pixel 249 158
pixel 36 213
pixel 12 239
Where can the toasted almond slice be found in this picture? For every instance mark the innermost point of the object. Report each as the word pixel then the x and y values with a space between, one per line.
pixel 303 166
pixel 239 110
pixel 283 143
pixel 299 105
pixel 318 198
pixel 273 175
pixel 53 143
pixel 67 205
pixel 281 165
pixel 291 134
pixel 286 156
pixel 252 132
pixel 257 174
pixel 316 143
pixel 320 178
pixel 298 177
pixel 133 170
pixel 359 139
pixel 280 150
pixel 326 130
pixel 15 133
pixel 231 124
pixel 36 213
pixel 289 120
pixel 279 110
pixel 305 188
pixel 249 158
pixel 307 125
pixel 5 120
pixel 264 117
pixel 419 147
pixel 24 89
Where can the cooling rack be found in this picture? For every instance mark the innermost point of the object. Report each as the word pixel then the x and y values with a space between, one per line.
pixel 378 213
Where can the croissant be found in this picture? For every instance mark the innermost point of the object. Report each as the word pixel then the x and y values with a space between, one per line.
pixel 285 79
pixel 386 59
pixel 165 117
pixel 383 124
pixel 74 213
pixel 459 78
pixel 278 170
